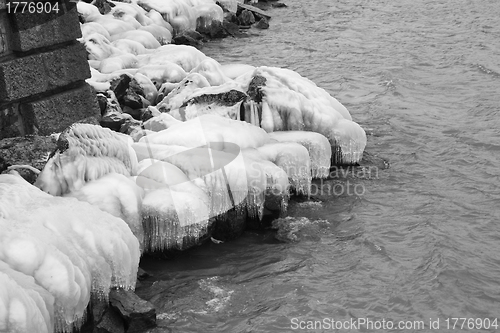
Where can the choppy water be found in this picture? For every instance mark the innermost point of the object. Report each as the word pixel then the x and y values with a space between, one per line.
pixel 422 239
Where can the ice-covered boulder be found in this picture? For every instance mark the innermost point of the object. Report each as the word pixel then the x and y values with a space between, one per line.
pixel 290 102
pixel 71 249
pixel 318 146
pixel 175 210
pixel 86 152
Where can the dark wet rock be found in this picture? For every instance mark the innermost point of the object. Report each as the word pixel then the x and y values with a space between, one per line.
pixel 114 120
pixel 279 5
pixel 295 229
pixel 374 161
pixel 129 99
pixel 228 98
pixel 107 319
pixel 230 17
pixel 276 202
pixel 146 115
pixel 232 28
pixel 130 125
pixel 132 100
pixel 246 18
pixel 133 96
pixel 210 29
pixel 142 274
pixel 135 113
pixel 262 24
pixel 103 6
pixel 191 38
pixel 254 88
pixel 102 100
pixel 258 10
pixel 108 103
pixel 230 225
pixel 137 313
pixel 28 150
pixel 120 85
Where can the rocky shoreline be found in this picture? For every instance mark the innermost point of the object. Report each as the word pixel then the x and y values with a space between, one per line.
pixel 140 104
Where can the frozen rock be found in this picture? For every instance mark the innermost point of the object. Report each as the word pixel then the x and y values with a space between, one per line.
pixel 86 152
pixel 318 146
pixel 70 248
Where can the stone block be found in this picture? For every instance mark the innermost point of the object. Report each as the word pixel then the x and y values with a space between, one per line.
pixel 56 112
pixel 35 74
pixel 5 35
pixel 10 121
pixel 32 31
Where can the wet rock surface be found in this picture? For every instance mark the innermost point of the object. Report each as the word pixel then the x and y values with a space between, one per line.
pixel 262 24
pixel 230 225
pixel 246 18
pixel 137 314
pixel 296 229
pixel 29 150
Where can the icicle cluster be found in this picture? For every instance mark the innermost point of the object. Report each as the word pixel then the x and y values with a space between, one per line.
pixel 54 254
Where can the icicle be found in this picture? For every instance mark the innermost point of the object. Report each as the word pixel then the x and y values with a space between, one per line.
pixel 268 184
pixel 267 122
pixel 172 219
pixel 350 138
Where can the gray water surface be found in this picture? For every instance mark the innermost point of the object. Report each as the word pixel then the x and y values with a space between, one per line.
pixel 417 241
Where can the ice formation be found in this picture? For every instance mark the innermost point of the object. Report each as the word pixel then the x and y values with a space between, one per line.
pixel 185 56
pixel 294 159
pixel 290 102
pixel 118 195
pixel 209 128
pixel 318 146
pixel 86 152
pixel 59 251
pixel 268 184
pixel 175 211
pixel 24 305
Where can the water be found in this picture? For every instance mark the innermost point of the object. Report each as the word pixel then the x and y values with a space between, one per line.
pixel 418 240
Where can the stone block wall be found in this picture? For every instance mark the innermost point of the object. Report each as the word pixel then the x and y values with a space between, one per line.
pixel 42 71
